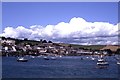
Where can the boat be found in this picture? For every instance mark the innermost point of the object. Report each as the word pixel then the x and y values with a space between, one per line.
pixel 93 58
pixel 101 67
pixel 118 62
pixel 87 57
pixel 102 62
pixel 49 57
pixel 53 58
pixel 81 58
pixel 32 56
pixel 117 57
pixel 46 58
pixel 22 59
pixel 60 56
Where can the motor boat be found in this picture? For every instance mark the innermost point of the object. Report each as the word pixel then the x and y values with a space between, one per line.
pixel 102 62
pixel 101 67
pixel 46 58
pixel 118 59
pixel 93 58
pixel 49 57
pixel 60 56
pixel 53 58
pixel 22 59
pixel 118 62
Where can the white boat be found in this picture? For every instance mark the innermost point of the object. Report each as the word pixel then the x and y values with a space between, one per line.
pixel 102 62
pixel 22 59
pixel 118 62
pixel 46 58
pixel 49 57
pixel 60 56
pixel 117 57
pixel 53 58
pixel 32 56
pixel 93 58
pixel 87 57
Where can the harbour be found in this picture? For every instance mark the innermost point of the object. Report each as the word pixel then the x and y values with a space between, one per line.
pixel 62 67
pixel 68 40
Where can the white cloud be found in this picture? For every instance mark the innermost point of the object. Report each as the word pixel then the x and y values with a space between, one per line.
pixel 75 31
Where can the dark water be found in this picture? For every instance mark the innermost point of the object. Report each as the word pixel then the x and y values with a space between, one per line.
pixel 65 67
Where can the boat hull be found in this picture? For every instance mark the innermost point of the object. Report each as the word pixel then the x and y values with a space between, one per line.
pixel 102 64
pixel 22 60
pixel 50 58
pixel 118 63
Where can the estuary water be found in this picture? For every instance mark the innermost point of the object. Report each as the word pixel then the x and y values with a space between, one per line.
pixel 64 67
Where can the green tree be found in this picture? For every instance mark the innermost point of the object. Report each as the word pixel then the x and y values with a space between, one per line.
pixel 44 41
pixel 41 40
pixel 118 51
pixel 3 38
pixel 49 41
pixel 25 39
pixel 70 46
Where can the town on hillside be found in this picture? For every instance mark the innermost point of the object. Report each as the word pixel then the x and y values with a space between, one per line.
pixel 18 47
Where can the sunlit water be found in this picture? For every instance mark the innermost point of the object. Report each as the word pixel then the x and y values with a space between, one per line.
pixel 64 67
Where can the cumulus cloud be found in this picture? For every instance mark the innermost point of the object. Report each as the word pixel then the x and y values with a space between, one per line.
pixel 77 30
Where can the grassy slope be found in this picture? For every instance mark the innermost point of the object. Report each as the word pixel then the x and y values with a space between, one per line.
pixel 85 46
pixel 89 46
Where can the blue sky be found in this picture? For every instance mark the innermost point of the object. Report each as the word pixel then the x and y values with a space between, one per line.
pixel 29 13
pixel 79 22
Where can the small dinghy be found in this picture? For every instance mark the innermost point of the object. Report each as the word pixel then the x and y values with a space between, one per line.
pixel 22 59
pixel 49 57
pixel 46 58
pixel 118 62
pixel 53 58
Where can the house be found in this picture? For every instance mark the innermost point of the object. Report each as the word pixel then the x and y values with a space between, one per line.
pixel 8 41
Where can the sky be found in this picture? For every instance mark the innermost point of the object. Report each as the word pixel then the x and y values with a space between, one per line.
pixel 84 23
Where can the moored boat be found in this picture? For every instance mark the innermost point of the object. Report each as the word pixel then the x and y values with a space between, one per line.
pixel 93 58
pixel 49 57
pixel 118 62
pixel 53 58
pixel 101 62
pixel 22 59
pixel 46 58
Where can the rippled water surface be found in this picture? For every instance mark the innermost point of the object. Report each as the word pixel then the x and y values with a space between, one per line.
pixel 64 67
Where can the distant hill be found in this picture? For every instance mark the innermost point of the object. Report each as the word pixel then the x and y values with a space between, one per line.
pixel 94 47
pixel 111 47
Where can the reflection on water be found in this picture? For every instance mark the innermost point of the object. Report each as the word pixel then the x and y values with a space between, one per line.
pixel 64 67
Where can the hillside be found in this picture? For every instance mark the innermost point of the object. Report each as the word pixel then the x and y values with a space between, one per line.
pixel 33 42
pixel 94 47
pixel 112 48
